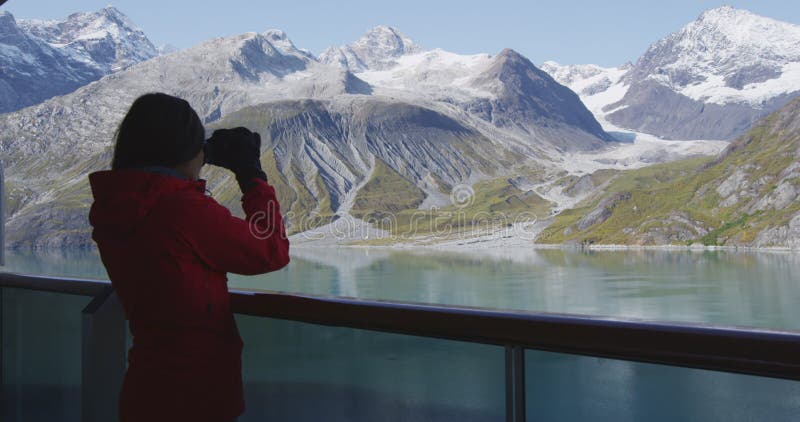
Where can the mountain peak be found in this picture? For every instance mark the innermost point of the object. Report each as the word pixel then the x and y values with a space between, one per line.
pixel 383 42
pixel 528 98
pixel 510 54
pixel 726 69
pixel 377 49
pixel 275 34
pixel 721 42
pixel 112 11
pixel 7 22
pixel 509 61
pixel 724 12
pixel 384 31
pixel 281 41
pixel 734 27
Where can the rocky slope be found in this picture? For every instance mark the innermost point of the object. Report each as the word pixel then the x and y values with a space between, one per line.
pixel 749 195
pixel 43 59
pixel 526 98
pixel 328 158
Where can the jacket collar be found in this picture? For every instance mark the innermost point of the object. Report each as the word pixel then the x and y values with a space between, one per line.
pixel 169 171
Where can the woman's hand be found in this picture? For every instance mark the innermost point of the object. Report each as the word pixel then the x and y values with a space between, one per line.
pixel 238 150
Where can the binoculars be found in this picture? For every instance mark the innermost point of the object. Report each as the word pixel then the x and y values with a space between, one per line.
pixel 208 152
pixel 226 146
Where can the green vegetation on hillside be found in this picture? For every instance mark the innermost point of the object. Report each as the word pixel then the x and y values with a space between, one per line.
pixel 679 202
pixel 386 191
pixel 496 203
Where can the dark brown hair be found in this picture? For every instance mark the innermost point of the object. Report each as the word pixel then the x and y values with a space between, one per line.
pixel 158 130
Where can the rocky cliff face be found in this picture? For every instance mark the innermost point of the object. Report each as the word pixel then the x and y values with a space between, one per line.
pixel 747 196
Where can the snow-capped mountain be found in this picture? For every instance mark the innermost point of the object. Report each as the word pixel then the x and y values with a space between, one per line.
pixel 42 59
pixel 726 56
pixel 106 39
pixel 505 91
pixel 218 77
pixel 712 79
pixel 32 70
pixel 378 49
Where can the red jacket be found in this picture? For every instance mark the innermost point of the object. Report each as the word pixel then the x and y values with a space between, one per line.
pixel 167 248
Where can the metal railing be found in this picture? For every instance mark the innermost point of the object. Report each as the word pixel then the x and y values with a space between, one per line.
pixel 766 353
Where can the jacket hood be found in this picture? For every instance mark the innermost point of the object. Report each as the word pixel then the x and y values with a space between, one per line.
pixel 123 198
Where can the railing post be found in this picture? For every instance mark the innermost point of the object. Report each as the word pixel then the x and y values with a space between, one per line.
pixel 2 263
pixel 2 217
pixel 515 383
pixel 2 346
pixel 103 357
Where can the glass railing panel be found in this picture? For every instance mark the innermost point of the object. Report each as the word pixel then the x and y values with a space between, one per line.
pixel 301 372
pixel 561 387
pixel 41 355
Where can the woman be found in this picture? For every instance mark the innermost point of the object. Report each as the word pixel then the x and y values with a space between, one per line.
pixel 167 248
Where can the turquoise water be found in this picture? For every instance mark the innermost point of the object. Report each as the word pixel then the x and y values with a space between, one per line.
pixel 301 372
pixel 714 287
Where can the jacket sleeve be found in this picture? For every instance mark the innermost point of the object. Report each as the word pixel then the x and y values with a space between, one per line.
pixel 255 245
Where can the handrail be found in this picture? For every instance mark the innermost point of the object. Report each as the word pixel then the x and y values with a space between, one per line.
pixel 768 353
pixel 67 285
pixel 761 352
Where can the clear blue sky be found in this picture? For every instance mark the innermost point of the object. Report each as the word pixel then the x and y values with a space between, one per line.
pixel 608 32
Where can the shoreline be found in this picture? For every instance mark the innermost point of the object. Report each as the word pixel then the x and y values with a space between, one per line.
pixel 476 247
